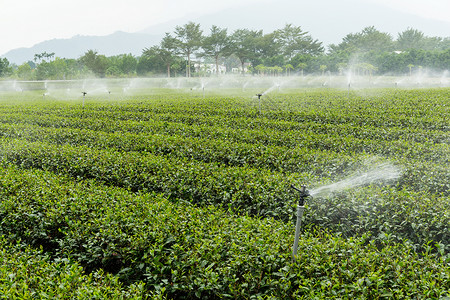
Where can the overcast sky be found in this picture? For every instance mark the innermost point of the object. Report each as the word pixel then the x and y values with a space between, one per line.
pixel 24 23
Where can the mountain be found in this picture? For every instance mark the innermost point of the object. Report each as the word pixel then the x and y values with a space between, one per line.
pixel 326 20
pixel 109 45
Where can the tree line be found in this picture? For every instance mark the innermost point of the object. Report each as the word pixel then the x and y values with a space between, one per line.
pixel 189 52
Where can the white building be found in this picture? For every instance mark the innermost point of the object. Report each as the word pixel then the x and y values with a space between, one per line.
pixel 209 68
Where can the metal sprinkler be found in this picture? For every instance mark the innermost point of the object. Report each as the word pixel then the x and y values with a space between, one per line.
pixel 84 95
pixel 259 102
pixel 300 209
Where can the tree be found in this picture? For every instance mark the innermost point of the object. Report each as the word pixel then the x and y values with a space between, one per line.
pixel 128 64
pixel 94 62
pixel 302 66
pixel 243 43
pixel 323 68
pixel 122 64
pixel 189 41
pixel 410 66
pixel 366 68
pixel 59 68
pixel 38 56
pixel 341 67
pixel 267 51
pixel 150 61
pixel 216 44
pixel 43 55
pixel 5 69
pixel 369 39
pixel 410 39
pixel 293 40
pixel 165 52
pixel 288 69
pixel 168 51
pixel 260 69
pixel 74 68
pixel 24 72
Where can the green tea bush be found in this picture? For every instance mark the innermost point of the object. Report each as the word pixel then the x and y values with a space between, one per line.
pixel 192 197
pixel 27 273
pixel 183 251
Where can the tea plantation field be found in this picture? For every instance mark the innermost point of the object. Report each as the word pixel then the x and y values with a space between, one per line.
pixel 184 196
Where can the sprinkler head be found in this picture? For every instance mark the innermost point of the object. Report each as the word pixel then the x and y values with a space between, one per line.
pixel 303 194
pixel 84 93
pixel 259 95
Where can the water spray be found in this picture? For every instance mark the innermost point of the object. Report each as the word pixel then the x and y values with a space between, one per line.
pixel 300 209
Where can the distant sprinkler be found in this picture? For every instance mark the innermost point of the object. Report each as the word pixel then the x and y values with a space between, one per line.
pixel 259 96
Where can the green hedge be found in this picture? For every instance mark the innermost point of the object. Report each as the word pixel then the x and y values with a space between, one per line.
pixel 187 252
pixel 252 191
pixel 27 273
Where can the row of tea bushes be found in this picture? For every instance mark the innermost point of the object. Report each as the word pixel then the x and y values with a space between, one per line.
pixel 299 159
pixel 27 273
pixel 186 252
pixel 425 145
pixel 384 108
pixel 254 191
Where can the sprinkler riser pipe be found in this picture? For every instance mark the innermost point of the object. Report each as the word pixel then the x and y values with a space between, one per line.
pixel 298 225
pixel 259 102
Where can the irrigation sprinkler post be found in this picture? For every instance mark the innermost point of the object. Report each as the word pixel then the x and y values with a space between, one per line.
pixel 259 102
pixel 300 209
pixel 84 95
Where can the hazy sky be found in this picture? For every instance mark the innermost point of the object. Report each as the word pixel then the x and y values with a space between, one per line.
pixel 24 23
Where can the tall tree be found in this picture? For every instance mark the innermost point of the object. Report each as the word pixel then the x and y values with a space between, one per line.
pixel 168 51
pixel 150 61
pixel 369 39
pixel 189 41
pixel 410 39
pixel 243 43
pixel 5 69
pixel 165 52
pixel 267 51
pixel 216 44
pixel 293 40
pixel 95 62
